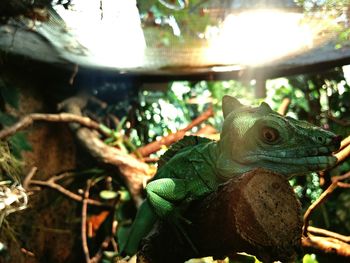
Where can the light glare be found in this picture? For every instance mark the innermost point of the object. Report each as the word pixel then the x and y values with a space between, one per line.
pixel 113 35
pixel 256 37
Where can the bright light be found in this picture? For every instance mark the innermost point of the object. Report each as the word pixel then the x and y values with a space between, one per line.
pixel 256 37
pixel 112 34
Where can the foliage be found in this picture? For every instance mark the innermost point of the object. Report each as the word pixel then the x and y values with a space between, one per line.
pixel 309 258
pixel 10 166
pixel 325 4
pixel 9 102
pixel 171 24
pixel 160 113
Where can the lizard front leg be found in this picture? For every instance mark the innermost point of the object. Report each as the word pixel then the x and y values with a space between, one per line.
pixel 160 195
pixel 164 193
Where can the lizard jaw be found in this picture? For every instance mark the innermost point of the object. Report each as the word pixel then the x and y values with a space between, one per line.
pixel 289 165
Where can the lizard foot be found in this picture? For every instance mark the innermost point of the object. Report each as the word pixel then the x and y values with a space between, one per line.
pixel 178 221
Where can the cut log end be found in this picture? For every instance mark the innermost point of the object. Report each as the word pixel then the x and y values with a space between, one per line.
pixel 256 213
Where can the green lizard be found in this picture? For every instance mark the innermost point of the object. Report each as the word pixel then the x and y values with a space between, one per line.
pixel 250 138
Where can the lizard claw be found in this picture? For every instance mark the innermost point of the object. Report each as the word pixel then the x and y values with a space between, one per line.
pixel 178 221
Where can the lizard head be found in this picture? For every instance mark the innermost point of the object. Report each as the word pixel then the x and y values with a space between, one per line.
pixel 260 137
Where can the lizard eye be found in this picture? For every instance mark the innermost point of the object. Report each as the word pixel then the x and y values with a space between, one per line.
pixel 269 135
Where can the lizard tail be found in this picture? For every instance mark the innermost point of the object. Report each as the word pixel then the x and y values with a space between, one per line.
pixel 143 223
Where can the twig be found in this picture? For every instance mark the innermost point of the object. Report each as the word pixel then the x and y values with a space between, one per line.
pixel 345 142
pixel 74 74
pixel 108 240
pixel 83 222
pixel 343 154
pixel 151 159
pixel 51 183
pixel 170 139
pixel 336 182
pixel 327 233
pixel 283 108
pixel 344 123
pixel 28 178
pixel 104 245
pixel 28 120
pixel 27 252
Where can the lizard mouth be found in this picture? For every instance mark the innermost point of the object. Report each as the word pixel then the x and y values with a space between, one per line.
pixel 321 151
pixel 313 158
pixel 298 153
pixel 298 159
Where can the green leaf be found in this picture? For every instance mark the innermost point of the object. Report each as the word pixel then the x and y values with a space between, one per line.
pixel 124 195
pixel 105 129
pixel 110 254
pixel 309 258
pixel 107 194
pixel 109 140
pixel 9 94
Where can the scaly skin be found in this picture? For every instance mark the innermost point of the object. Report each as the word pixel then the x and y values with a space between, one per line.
pixel 250 138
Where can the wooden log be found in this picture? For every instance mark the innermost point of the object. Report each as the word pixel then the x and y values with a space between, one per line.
pixel 256 213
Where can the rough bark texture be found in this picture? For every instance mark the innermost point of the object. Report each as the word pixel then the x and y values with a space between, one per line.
pixel 133 171
pixel 256 213
pixel 46 231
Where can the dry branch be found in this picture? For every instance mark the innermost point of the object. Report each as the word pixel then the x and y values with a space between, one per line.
pixel 28 178
pixel 326 245
pixel 340 122
pixel 29 119
pixel 345 142
pixel 327 233
pixel 174 137
pixel 52 183
pixel 133 171
pixel 83 222
pixel 283 108
pixel 343 154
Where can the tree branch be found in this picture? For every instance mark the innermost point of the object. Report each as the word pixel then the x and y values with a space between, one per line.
pixel 29 119
pixel 343 154
pixel 28 178
pixel 174 137
pixel 336 182
pixel 52 183
pixel 133 171
pixel 283 108
pixel 83 222
pixel 327 245
pixel 344 123
pixel 345 142
pixel 327 233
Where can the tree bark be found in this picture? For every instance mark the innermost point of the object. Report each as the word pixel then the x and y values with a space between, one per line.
pixel 133 171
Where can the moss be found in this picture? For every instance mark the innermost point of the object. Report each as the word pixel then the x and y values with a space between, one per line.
pixel 10 167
